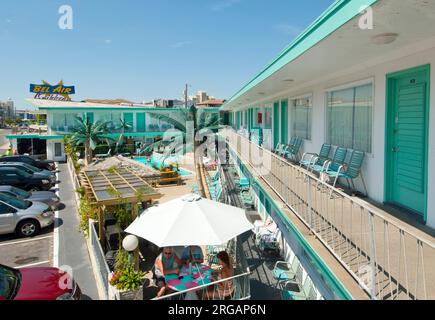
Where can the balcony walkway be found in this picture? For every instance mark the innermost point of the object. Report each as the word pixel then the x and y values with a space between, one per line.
pixel 261 280
pixel 387 257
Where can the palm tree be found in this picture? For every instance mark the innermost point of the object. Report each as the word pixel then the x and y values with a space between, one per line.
pixel 202 122
pixel 124 126
pixel 89 135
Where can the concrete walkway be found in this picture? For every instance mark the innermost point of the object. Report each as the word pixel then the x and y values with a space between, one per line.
pixel 73 251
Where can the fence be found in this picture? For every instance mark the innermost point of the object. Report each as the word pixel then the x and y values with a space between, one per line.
pixel 387 260
pixel 98 259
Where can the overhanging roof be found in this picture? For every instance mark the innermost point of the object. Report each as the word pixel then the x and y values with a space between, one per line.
pixel 347 50
pixel 333 18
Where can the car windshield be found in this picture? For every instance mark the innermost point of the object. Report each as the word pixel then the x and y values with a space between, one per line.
pixel 21 193
pixel 15 202
pixel 9 282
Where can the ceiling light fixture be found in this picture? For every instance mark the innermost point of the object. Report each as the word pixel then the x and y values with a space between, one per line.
pixel 384 38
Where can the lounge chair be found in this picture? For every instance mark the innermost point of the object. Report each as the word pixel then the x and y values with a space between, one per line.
pixel 309 159
pixel 285 271
pixel 335 163
pixel 351 171
pixel 105 155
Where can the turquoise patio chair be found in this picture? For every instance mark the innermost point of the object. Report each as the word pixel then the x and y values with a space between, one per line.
pixel 350 172
pixel 309 159
pixel 285 271
pixel 335 163
pixel 295 291
pixel 279 148
pixel 293 149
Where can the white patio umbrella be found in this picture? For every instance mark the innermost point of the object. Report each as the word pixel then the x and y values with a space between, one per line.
pixel 190 220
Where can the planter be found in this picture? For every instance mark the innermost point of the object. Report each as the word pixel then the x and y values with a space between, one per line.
pixel 136 295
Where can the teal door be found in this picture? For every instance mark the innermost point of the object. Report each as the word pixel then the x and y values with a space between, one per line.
pixel 275 124
pixel 407 147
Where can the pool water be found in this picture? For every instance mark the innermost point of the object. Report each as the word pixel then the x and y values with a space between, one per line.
pixel 157 161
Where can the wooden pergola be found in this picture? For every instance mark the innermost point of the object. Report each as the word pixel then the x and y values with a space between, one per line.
pixel 107 188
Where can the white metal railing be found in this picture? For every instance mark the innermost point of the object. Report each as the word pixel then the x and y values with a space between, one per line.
pixel 388 260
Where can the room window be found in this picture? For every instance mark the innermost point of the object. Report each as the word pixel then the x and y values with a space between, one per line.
pixel 349 117
pixel 301 117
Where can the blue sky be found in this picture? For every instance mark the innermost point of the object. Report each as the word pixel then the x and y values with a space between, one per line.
pixel 145 49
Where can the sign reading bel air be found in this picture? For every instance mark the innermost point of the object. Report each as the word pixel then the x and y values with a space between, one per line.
pixel 58 92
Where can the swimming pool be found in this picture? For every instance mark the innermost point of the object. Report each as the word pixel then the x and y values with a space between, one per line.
pixel 157 161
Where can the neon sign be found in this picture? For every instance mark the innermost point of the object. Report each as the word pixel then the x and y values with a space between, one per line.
pixel 46 91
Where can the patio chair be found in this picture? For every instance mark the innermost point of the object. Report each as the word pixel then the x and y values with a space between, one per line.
pixel 295 291
pixel 293 149
pixel 279 148
pixel 285 271
pixel 337 161
pixel 309 159
pixel 351 171
pixel 104 155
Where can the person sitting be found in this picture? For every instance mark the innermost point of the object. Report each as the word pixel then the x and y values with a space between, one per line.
pixel 225 289
pixel 192 254
pixel 166 263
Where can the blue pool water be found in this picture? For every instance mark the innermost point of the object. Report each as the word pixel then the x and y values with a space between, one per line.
pixel 157 161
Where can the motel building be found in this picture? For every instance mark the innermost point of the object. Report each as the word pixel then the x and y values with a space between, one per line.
pixel 145 125
pixel 358 86
pixel 362 88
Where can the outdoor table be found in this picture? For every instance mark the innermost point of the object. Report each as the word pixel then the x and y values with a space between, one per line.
pixel 201 275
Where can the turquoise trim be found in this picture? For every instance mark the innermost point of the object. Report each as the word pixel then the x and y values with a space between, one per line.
pixel 96 108
pixel 34 136
pixel 332 19
pixel 335 285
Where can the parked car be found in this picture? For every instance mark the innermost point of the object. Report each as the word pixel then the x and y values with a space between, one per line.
pixel 26 218
pixel 29 169
pixel 47 197
pixel 37 284
pixel 47 165
pixel 10 176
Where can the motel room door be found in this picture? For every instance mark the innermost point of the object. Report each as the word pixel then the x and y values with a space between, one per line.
pixel 407 139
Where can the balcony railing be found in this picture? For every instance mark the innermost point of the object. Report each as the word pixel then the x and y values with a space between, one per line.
pixel 386 259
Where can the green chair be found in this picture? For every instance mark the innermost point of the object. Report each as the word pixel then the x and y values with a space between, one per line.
pixel 295 291
pixel 285 271
pixel 350 172
pixel 337 161
pixel 293 149
pixel 309 159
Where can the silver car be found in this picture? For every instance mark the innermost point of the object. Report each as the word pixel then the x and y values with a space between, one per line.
pixel 43 174
pixel 47 197
pixel 24 217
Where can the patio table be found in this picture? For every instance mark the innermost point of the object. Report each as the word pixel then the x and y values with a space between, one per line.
pixel 201 275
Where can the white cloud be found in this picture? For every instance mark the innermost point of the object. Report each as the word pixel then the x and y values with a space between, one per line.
pixel 108 41
pixel 225 4
pixel 180 44
pixel 288 29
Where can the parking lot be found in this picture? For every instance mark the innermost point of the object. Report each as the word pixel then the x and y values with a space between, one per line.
pixel 18 252
pixel 27 252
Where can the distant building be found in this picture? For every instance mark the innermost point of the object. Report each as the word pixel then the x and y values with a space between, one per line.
pixel 7 110
pixel 211 104
pixel 25 115
pixel 201 96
